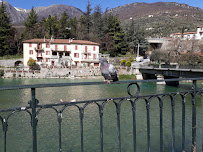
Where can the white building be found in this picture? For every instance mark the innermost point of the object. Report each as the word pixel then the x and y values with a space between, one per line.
pixel 190 35
pixel 61 52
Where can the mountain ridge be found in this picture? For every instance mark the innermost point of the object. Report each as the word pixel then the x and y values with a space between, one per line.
pixel 19 15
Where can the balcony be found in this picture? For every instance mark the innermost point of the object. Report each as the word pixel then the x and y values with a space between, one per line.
pixel 60 50
pixel 86 51
pixel 90 59
pixel 38 48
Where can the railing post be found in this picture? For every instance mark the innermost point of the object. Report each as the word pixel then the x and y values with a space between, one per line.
pixel 33 104
pixel 194 146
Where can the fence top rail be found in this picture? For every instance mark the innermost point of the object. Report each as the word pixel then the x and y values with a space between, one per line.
pixel 88 83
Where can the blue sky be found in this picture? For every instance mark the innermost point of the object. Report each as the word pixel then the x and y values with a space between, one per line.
pixel 81 4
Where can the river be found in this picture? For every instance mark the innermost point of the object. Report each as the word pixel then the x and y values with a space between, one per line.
pixel 19 137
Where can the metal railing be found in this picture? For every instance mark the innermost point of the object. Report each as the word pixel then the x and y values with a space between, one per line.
pixel 133 90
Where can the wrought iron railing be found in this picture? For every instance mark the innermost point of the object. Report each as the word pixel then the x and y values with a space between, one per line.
pixel 133 90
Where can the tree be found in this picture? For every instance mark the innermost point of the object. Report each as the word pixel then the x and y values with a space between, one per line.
pixel 52 26
pixel 115 31
pixel 32 28
pixel 64 29
pixel 85 23
pixel 7 33
pixel 72 24
pixel 31 20
pixel 97 25
pixel 135 35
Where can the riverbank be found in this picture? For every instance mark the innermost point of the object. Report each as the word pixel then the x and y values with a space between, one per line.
pixel 66 73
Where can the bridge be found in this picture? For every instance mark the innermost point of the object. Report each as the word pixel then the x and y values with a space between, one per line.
pixel 168 72
pixel 157 43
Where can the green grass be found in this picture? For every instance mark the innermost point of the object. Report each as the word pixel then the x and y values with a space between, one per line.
pixel 127 77
pixel 11 57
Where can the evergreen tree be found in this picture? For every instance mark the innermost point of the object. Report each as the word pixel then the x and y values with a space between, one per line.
pixel 98 24
pixel 88 19
pixel 134 36
pixel 72 24
pixel 7 33
pixel 85 23
pixel 52 26
pixel 117 34
pixel 32 28
pixel 64 30
pixel 31 20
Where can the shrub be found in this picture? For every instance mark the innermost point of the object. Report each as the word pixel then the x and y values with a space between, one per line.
pixel 31 62
pixel 131 59
pixel 128 64
pixel 123 62
pixel 33 65
pixel 1 73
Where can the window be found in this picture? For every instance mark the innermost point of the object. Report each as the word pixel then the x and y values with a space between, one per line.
pixel 65 48
pixel 39 45
pixel 47 59
pixel 94 48
pixel 76 55
pixel 47 52
pixel 31 51
pixel 76 47
pixel 85 48
pixel 39 60
pixel 94 56
pixel 30 44
pixel 47 45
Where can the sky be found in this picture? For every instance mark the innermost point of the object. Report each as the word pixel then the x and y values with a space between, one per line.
pixel 81 4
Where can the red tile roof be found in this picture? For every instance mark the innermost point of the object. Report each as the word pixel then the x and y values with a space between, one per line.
pixel 190 33
pixel 61 41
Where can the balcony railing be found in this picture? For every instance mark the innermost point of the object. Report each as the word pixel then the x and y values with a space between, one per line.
pixel 134 97
pixel 86 51
pixel 90 59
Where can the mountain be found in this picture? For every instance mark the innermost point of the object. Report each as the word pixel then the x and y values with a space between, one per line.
pixel 19 15
pixel 145 10
pixel 16 15
pixel 58 10
pixel 161 18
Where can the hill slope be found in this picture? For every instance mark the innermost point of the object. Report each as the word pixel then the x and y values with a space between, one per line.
pixel 161 18
pixel 19 15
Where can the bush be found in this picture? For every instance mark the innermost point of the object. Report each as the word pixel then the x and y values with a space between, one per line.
pixel 123 62
pixel 1 73
pixel 31 62
pixel 128 64
pixel 33 65
pixel 131 59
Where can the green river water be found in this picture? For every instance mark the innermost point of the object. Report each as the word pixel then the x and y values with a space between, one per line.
pixel 19 136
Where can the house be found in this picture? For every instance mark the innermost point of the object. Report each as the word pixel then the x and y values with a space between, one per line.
pixel 185 36
pixel 198 35
pixel 61 52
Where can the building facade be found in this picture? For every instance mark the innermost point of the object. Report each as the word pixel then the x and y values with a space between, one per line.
pixel 61 52
pixel 198 35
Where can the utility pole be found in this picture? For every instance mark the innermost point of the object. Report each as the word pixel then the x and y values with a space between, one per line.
pixel 138 49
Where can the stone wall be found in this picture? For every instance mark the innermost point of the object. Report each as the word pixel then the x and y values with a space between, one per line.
pixel 59 72
pixel 9 63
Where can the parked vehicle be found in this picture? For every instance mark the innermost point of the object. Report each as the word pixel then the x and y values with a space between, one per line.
pixel 139 59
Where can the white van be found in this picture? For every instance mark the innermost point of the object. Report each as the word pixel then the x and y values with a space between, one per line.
pixel 139 59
